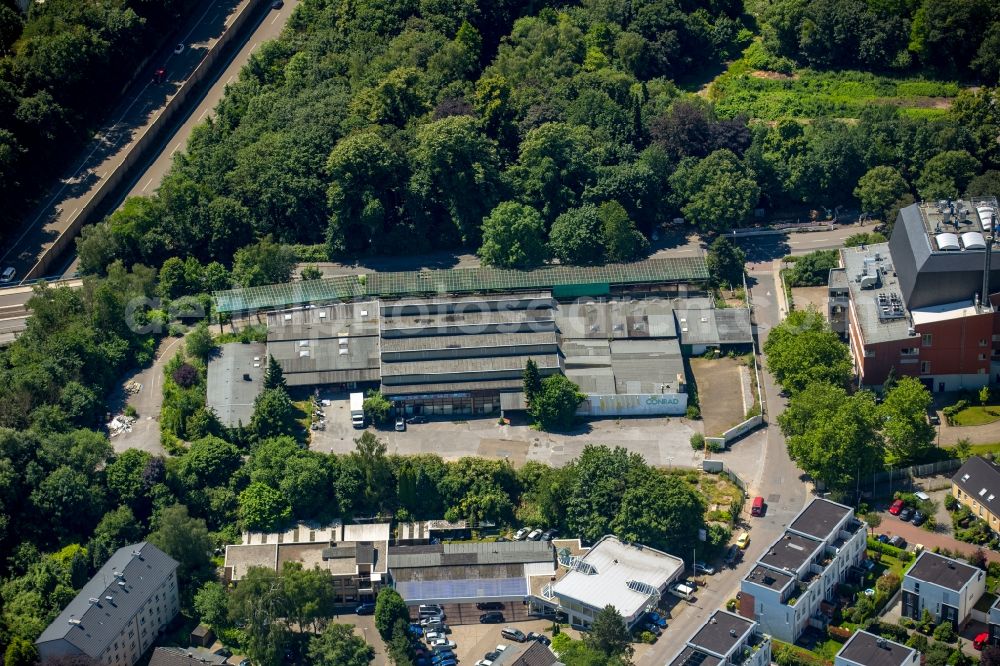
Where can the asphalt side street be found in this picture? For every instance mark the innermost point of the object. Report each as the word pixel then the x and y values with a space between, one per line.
pixel 779 482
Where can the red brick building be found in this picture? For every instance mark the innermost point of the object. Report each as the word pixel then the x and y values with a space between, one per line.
pixel 914 306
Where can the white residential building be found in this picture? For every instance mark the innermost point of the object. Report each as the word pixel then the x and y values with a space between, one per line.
pixel 726 640
pixel 630 577
pixel 120 612
pixel 865 649
pixel 786 589
pixel 946 587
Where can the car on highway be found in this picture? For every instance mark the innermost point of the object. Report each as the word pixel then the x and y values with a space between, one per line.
pixel 919 518
pixel 489 605
pixel 400 424
pixel 704 568
pixel 179 49
pixel 493 617
pixel 8 274
pixel 743 541
pixel 365 609
pixel 522 533
pixel 896 507
pixel 160 75
pixel 906 514
pixel 277 4
pixel 416 419
pixel 535 535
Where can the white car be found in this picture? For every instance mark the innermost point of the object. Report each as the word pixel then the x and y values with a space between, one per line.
pixel 442 644
pixel 432 636
pixel 8 274
pixel 522 534
pixel 703 568
pixel 535 535
pixel 179 49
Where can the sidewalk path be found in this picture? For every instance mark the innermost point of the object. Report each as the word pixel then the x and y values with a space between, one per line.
pixel 988 433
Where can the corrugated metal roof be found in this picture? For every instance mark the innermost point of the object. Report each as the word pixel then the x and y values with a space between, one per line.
pixel 143 568
pixel 459 281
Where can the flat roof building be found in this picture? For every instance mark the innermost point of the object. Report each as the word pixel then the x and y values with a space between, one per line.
pixel 787 588
pixel 118 613
pixel 630 577
pixel 924 304
pixel 356 556
pixel 328 344
pixel 235 379
pixel 178 656
pixel 866 649
pixel 469 572
pixel 726 639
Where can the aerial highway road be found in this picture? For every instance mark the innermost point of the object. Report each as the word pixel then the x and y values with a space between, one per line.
pixel 139 107
pixel 148 178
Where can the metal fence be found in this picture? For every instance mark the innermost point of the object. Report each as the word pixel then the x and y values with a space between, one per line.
pixel 927 469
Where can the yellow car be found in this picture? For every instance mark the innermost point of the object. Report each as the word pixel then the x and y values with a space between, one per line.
pixel 743 541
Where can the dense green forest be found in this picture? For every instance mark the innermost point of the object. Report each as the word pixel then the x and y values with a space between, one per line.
pixel 538 130
pixel 62 67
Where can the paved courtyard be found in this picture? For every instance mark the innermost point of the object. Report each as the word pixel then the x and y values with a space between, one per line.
pixel 661 441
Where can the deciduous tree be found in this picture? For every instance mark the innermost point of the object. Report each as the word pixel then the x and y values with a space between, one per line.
pixel 513 237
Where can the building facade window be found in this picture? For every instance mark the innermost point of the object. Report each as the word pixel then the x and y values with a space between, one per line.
pixel 927 339
pixel 925 367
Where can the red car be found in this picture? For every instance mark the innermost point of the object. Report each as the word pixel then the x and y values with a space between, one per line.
pixel 980 641
pixel 160 75
pixel 896 507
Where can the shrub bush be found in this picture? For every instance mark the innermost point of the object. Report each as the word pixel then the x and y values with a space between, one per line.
pixel 693 413
pixel 945 632
pixel 950 503
pixel 697 441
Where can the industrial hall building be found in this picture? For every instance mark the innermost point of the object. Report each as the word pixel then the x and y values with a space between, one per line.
pixel 456 342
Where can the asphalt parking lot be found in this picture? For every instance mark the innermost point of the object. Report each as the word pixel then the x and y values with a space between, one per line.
pixel 662 441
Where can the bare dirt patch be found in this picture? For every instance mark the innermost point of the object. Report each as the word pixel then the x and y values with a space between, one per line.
pixel 719 393
pixel 773 76
pixel 806 297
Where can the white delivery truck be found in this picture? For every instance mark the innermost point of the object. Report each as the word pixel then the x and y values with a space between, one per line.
pixel 358 410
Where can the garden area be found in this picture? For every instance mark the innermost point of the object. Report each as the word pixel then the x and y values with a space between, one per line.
pixel 972 409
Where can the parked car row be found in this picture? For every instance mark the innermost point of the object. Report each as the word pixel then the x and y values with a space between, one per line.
pixel 536 534
pixel 491 656
pixel 435 634
pixel 906 513
pixel 896 541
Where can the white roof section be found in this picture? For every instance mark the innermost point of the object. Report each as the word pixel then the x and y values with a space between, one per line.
pixel 943 312
pixel 603 575
pixel 947 241
pixel 985 216
pixel 368 532
pixel 973 240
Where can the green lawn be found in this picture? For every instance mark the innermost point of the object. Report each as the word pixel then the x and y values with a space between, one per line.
pixel 828 649
pixel 746 87
pixel 977 415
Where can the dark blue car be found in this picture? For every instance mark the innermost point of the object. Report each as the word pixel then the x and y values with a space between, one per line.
pixel 365 609
pixel 657 619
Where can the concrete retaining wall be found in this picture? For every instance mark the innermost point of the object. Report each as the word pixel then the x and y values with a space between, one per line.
pixel 736 431
pixel 147 142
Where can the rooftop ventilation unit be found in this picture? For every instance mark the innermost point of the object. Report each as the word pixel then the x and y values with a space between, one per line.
pixel 947 242
pixel 986 216
pixel 973 240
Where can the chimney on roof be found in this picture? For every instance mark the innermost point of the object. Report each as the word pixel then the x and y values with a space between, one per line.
pixel 986 270
pixel 882 643
pixel 732 632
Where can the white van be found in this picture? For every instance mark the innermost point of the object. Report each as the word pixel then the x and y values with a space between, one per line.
pixel 682 591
